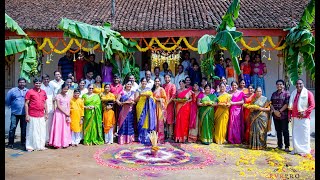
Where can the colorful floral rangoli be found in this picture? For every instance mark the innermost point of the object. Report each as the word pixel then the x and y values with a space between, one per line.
pixel 137 157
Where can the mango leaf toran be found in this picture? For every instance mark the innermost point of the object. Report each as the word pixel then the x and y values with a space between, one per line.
pixel 226 37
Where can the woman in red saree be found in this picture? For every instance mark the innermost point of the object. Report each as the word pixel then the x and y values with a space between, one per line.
pixel 246 114
pixel 159 95
pixel 181 128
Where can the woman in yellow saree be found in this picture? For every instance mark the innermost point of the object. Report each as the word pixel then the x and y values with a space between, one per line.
pixel 146 115
pixel 221 115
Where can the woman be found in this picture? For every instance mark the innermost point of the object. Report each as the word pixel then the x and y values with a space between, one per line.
pixel 242 87
pixel 221 115
pixel 92 127
pixel 106 72
pixel 259 121
pixel 107 98
pixel 159 95
pixel 193 121
pixel 97 86
pixel 146 114
pixel 206 103
pixel 246 70
pixel 235 126
pixel 188 83
pixel 230 73
pixel 60 131
pixel 126 116
pixel 182 113
pixel 82 88
pixel 224 80
pixel 258 71
pixel 246 114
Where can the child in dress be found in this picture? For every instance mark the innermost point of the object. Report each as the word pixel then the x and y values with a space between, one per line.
pixel 60 131
pixel 76 115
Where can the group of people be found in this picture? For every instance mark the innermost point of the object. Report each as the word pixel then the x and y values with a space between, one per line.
pixel 181 109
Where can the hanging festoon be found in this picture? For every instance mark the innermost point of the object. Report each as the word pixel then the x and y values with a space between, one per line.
pixel 300 41
pixel 226 39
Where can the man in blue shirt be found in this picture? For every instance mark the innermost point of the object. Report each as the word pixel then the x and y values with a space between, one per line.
pixel 15 100
pixel 195 74
pixel 65 65
pixel 220 70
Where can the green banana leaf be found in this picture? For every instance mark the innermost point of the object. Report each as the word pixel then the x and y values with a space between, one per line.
pixel 29 64
pixel 300 40
pixel 14 46
pixel 13 26
pixel 205 43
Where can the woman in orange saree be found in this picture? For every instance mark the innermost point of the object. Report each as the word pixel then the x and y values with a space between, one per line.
pixel 246 114
pixel 181 128
pixel 159 95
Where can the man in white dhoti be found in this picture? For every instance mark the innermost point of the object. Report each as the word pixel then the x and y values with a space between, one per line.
pixel 301 104
pixel 36 116
pixel 50 95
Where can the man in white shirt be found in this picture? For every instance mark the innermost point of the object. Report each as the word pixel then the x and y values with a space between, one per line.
pixel 56 83
pixel 50 105
pixel 186 61
pixel 157 74
pixel 146 68
pixel 89 79
pixel 150 82
pixel 179 76
pixel 135 86
pixel 166 70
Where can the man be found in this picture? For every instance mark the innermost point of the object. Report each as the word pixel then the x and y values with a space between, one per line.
pixel 36 116
pixel 156 71
pixel 92 66
pixel 50 96
pixel 65 64
pixel 56 83
pixel 143 72
pixel 78 67
pixel 195 74
pixel 150 82
pixel 116 87
pixel 89 78
pixel 186 61
pixel 180 76
pixel 219 69
pixel 70 90
pixel 279 109
pixel 301 104
pixel 170 94
pixel 15 101
pixel 165 71
pixel 135 86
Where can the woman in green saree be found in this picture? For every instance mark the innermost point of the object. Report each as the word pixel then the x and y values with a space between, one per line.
pixel 92 128
pixel 206 103
pixel 260 121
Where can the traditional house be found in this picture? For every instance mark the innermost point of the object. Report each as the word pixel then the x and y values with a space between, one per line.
pixel 155 22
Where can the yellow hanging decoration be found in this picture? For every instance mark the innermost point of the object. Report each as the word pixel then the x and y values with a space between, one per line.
pixel 74 57
pixel 269 58
pixel 189 45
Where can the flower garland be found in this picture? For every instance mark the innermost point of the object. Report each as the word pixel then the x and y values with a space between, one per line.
pixel 149 46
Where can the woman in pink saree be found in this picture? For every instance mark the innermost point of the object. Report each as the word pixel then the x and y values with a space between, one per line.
pixel 181 128
pixel 236 126
pixel 159 95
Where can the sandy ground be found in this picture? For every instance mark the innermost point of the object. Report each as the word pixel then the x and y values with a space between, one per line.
pixel 230 163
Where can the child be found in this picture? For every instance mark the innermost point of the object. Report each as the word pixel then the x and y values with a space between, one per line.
pixel 76 115
pixel 60 131
pixel 109 121
pixel 230 73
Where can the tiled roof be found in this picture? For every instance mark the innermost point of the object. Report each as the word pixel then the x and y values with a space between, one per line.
pixel 150 15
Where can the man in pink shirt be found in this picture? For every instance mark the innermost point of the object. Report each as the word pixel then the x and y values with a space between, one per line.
pixel 116 88
pixel 301 104
pixel 36 117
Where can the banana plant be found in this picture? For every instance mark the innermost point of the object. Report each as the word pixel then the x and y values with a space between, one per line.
pixel 29 65
pixel 300 43
pixel 226 37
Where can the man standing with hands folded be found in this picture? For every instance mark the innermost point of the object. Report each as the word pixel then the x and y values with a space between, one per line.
pixel 36 117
